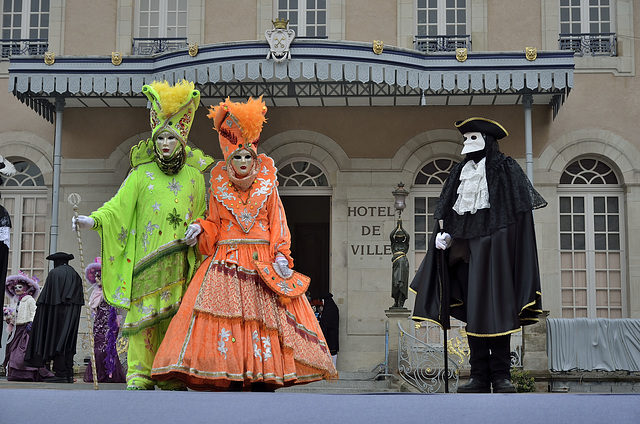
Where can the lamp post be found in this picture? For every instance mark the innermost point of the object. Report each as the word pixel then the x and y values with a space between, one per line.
pixel 399 247
pixel 400 194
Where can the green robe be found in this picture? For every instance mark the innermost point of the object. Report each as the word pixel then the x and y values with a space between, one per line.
pixel 146 265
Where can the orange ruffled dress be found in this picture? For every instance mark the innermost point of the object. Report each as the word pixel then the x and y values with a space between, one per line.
pixel 230 327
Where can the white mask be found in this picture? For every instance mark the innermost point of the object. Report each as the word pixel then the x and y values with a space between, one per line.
pixel 167 144
pixel 242 162
pixel 473 142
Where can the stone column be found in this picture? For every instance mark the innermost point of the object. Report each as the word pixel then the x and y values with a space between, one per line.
pixel 534 345
pixel 395 315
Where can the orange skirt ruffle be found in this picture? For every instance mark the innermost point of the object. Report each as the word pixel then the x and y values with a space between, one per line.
pixel 231 328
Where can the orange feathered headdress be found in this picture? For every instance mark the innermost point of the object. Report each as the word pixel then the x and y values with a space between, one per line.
pixel 239 125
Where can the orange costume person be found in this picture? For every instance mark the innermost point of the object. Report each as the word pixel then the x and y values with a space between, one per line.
pixel 232 332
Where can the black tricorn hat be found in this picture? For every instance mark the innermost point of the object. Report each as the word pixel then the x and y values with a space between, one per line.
pixel 60 256
pixel 483 125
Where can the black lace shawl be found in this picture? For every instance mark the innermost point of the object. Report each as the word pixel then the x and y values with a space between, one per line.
pixel 510 193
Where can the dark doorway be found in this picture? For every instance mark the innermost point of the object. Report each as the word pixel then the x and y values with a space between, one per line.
pixel 308 218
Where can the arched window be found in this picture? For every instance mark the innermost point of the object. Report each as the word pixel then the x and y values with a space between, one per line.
pixel 24 196
pixel 302 173
pixel 426 191
pixel 592 256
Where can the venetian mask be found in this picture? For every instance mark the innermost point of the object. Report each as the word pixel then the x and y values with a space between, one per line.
pixel 242 162
pixel 473 142
pixel 167 144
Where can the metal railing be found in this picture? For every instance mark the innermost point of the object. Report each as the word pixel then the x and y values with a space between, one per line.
pixel 589 44
pixel 421 358
pixel 150 46
pixel 422 364
pixel 441 43
pixel 23 47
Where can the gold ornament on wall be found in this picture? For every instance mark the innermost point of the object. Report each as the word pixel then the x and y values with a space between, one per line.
pixel 461 54
pixel 116 58
pixel 193 49
pixel 378 46
pixel 49 58
pixel 531 53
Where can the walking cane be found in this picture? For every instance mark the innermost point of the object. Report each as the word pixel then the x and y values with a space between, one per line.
pixel 444 300
pixel 74 201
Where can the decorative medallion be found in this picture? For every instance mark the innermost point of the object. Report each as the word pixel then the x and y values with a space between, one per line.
pixel 49 58
pixel 461 54
pixel 193 49
pixel 279 39
pixel 378 46
pixel 116 58
pixel 531 53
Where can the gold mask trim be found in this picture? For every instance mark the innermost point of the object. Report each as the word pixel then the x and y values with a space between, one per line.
pixel 378 46
pixel 49 58
pixel 461 54
pixel 116 58
pixel 531 53
pixel 193 49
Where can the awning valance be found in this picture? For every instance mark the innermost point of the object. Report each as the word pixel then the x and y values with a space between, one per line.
pixel 320 73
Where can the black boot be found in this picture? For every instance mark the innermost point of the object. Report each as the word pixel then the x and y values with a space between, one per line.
pixel 503 386
pixel 475 386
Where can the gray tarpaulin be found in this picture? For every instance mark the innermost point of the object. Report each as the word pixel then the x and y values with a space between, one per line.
pixel 593 344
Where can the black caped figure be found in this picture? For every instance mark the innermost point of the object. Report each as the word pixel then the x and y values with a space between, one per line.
pixel 488 239
pixel 55 326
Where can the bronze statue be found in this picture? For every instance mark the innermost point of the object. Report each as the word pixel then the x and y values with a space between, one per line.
pixel 400 274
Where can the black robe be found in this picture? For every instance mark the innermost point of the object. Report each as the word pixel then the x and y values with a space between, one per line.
pixel 5 221
pixel 329 323
pixel 55 326
pixel 489 278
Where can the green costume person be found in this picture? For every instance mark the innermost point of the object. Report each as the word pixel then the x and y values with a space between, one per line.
pixel 147 260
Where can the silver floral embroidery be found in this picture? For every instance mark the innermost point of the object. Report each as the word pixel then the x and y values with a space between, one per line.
pixel 174 186
pixel 224 337
pixel 229 226
pixel 165 295
pixel 224 194
pixel 146 310
pixel 266 345
pixel 265 187
pixel 245 217
pixel 156 206
pixel 150 175
pixel 122 235
pixel 284 287
pixel 263 226
pixel 148 231
pixel 256 340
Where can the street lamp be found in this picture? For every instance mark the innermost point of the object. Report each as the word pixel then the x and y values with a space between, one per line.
pixel 400 194
pixel 399 247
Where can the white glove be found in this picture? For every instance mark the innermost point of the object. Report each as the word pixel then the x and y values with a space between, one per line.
pixel 81 222
pixel 443 241
pixel 281 265
pixel 192 233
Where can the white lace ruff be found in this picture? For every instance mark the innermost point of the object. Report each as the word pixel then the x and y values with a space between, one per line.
pixel 473 193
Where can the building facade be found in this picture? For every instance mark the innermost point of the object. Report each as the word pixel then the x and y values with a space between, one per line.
pixel 367 99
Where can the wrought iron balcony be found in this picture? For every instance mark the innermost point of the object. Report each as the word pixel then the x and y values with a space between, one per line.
pixel 22 47
pixel 149 46
pixel 591 44
pixel 441 43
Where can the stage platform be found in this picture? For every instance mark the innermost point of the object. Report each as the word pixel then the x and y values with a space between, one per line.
pixel 53 403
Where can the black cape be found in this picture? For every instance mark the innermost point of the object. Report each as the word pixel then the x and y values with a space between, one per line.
pixel 329 323
pixel 490 277
pixel 55 326
pixel 5 221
